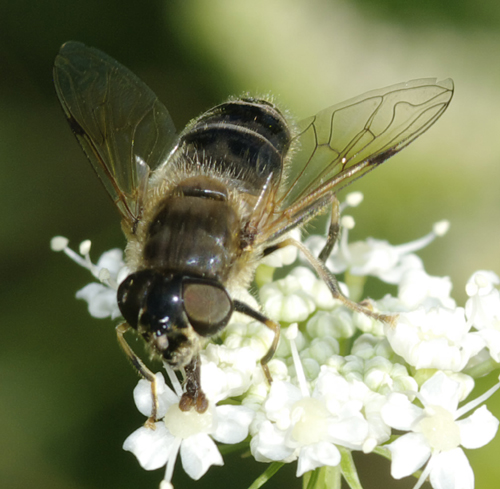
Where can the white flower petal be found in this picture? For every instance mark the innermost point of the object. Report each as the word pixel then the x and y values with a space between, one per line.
pixel 491 338
pixel 483 310
pixel 350 432
pixel 232 423
pixel 331 385
pixel 399 413
pixel 101 300
pixel 466 383
pixel 281 396
pixel 451 470
pixel 437 338
pixel 478 429
pixel 409 453
pixel 440 390
pixel 144 400
pixel 406 263
pixel 112 260
pixel 231 378
pixel 417 287
pixel 296 307
pixel 198 453
pixel 151 447
pixel 482 283
pixel 283 256
pixel 290 299
pixel 269 444
pixel 317 455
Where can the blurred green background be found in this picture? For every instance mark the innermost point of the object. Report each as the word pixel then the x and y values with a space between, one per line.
pixel 65 387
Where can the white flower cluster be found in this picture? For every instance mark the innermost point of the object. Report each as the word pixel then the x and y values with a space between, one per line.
pixel 342 380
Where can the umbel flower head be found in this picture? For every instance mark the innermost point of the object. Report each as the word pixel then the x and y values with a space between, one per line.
pixel 342 381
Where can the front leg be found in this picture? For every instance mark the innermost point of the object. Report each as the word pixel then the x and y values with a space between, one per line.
pixel 272 325
pixel 142 370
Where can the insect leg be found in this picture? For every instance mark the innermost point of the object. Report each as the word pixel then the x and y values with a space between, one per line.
pixel 333 231
pixel 142 370
pixel 333 285
pixel 193 396
pixel 272 325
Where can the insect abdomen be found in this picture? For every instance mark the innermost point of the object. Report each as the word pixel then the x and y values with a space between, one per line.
pixel 246 138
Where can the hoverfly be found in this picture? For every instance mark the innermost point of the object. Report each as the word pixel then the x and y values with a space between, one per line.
pixel 200 209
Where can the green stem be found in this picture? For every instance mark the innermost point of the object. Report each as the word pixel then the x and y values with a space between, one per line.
pixel 332 477
pixel 348 469
pixel 482 369
pixel 266 475
pixel 356 285
pixel 236 447
pixel 383 452
pixel 323 478
pixel 310 479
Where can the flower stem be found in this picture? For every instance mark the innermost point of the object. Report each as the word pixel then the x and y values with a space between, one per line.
pixel 325 477
pixel 355 284
pixel 384 452
pixel 266 475
pixel 482 369
pixel 310 480
pixel 348 469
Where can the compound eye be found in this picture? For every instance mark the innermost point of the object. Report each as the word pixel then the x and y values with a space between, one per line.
pixel 207 306
pixel 132 294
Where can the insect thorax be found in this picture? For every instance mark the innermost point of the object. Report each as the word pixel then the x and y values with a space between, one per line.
pixel 227 156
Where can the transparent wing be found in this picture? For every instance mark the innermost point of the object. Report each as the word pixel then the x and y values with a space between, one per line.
pixel 345 141
pixel 118 120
